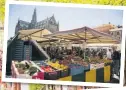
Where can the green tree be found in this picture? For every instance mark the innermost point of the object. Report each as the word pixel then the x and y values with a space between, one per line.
pixel 2 10
pixel 98 2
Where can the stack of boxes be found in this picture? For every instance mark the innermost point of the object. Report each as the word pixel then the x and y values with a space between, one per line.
pixel 27 52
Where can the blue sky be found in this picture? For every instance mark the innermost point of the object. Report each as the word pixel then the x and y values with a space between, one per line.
pixel 68 18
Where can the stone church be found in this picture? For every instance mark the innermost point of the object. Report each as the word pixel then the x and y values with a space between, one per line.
pixel 49 24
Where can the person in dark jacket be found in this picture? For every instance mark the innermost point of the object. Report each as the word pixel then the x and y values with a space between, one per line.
pixel 116 61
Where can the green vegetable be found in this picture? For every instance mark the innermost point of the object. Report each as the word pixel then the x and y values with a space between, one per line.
pixel 33 70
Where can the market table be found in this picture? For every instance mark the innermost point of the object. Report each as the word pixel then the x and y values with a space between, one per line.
pixel 72 72
pixel 93 75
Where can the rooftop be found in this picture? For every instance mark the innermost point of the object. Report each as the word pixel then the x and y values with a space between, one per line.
pixel 116 29
pixel 105 28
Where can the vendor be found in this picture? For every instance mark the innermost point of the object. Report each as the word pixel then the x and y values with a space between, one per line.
pixel 109 54
pixel 116 60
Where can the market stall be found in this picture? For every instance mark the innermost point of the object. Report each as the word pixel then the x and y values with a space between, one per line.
pixel 100 70
pixel 62 61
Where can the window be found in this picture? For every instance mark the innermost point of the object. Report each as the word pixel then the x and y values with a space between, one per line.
pixel 118 33
pixel 111 33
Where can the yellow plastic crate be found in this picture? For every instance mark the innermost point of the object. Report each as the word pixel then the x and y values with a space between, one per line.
pixel 69 78
pixel 107 61
pixel 91 76
pixel 107 73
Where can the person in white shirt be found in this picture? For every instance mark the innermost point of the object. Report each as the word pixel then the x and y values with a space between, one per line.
pixel 109 54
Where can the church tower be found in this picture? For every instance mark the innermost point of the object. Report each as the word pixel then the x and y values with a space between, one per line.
pixel 34 17
pixel 34 20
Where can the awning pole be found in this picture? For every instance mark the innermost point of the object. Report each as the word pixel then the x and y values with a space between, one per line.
pixel 84 46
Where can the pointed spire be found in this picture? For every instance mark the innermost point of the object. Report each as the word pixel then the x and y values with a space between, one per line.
pixel 53 14
pixel 53 19
pixel 18 21
pixel 34 17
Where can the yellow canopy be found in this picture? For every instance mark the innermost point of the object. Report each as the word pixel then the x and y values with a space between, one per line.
pixel 84 34
pixel 34 34
pixel 79 35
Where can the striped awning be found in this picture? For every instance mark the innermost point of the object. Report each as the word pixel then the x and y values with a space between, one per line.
pixel 84 34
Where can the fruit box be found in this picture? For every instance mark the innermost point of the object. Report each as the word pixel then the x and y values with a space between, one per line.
pixel 96 66
pixel 63 69
pixel 84 64
pixel 100 65
pixel 50 73
pixel 93 66
pixel 16 73
pixel 76 69
pixel 20 73
pixel 65 72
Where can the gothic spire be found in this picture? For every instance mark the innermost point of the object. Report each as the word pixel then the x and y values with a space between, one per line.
pixel 53 19
pixel 18 23
pixel 34 17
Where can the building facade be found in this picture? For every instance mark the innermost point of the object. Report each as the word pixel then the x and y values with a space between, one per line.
pixel 49 24
pixel 117 32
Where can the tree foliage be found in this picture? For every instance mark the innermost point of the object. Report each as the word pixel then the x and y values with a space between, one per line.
pixel 99 2
pixel 2 10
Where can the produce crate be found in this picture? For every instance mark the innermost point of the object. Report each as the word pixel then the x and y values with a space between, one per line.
pixel 40 75
pixel 100 75
pixel 65 72
pixel 14 70
pixel 87 68
pixel 24 76
pixel 63 69
pixel 93 66
pixel 90 76
pixel 16 73
pixel 50 73
pixel 68 78
pixel 107 62
pixel 79 77
pixel 107 73
pixel 76 69
pixel 96 66
pixel 100 65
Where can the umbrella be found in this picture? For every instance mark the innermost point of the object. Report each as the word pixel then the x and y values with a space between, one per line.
pixel 35 34
pixel 85 35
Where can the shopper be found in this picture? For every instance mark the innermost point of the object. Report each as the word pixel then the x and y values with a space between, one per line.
pixel 109 54
pixel 116 61
pixel 100 54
